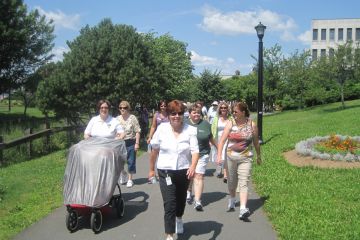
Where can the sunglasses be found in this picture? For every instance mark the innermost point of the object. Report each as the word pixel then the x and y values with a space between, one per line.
pixel 121 108
pixel 177 113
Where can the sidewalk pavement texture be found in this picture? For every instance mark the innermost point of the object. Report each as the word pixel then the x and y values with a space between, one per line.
pixel 143 218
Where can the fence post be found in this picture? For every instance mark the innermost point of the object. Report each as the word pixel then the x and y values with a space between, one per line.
pixel 29 148
pixel 47 140
pixel 1 151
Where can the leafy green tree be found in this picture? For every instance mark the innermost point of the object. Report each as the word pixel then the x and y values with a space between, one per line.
pixel 297 77
pixel 25 43
pixel 173 64
pixel 342 67
pixel 209 86
pixel 117 63
pixel 273 65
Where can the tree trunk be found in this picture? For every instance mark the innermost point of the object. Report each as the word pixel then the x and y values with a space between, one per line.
pixel 9 99
pixel 342 96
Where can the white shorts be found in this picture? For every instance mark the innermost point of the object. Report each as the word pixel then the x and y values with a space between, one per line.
pixel 201 164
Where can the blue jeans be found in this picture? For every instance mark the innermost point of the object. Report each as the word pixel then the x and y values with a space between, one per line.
pixel 131 155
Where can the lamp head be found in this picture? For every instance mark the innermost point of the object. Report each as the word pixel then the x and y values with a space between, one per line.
pixel 260 30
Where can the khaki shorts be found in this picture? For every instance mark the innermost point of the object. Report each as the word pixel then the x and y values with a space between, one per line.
pixel 239 172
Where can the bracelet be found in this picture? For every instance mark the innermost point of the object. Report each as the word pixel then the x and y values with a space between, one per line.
pixel 137 143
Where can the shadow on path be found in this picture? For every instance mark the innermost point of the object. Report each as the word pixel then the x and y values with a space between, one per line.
pixel 135 204
pixel 192 230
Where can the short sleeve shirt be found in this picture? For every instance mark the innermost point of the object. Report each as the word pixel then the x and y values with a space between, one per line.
pixel 131 126
pixel 203 135
pixel 100 128
pixel 174 153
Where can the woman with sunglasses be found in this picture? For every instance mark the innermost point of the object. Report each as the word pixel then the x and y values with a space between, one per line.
pixel 241 133
pixel 132 130
pixel 217 129
pixel 159 117
pixel 175 146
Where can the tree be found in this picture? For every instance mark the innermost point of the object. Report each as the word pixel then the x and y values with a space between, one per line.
pixel 341 67
pixel 209 86
pixel 173 64
pixel 25 43
pixel 297 77
pixel 117 63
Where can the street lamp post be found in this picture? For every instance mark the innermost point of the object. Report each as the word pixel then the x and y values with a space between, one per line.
pixel 260 30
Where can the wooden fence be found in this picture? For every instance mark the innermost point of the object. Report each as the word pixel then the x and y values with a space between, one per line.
pixel 46 133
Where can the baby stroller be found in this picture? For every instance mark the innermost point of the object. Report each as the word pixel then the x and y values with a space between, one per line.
pixel 91 176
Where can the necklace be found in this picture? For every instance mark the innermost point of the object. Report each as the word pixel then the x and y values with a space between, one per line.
pixel 241 122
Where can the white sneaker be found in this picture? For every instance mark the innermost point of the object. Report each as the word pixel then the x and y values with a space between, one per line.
pixel 123 177
pixel 179 227
pixel 244 213
pixel 231 205
pixel 129 184
pixel 198 206
pixel 169 238
pixel 189 197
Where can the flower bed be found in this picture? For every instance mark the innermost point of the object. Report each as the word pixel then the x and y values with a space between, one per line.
pixel 334 147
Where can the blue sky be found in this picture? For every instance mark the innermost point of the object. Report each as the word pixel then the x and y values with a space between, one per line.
pixel 220 34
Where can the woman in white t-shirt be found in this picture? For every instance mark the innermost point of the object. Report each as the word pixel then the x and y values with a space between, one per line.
pixel 175 146
pixel 104 125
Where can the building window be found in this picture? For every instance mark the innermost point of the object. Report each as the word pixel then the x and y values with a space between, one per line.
pixel 340 34
pixel 331 52
pixel 315 34
pixel 323 53
pixel 357 34
pixel 349 34
pixel 314 54
pixel 332 34
pixel 323 34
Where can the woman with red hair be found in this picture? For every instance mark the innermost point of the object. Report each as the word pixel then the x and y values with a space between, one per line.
pixel 175 146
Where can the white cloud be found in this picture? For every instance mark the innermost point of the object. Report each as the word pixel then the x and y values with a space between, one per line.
pixel 305 37
pixel 59 53
pixel 227 66
pixel 243 22
pixel 198 60
pixel 61 20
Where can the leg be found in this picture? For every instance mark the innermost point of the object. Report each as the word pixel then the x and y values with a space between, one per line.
pixel 198 186
pixel 182 183
pixel 170 202
pixel 244 171
pixel 131 159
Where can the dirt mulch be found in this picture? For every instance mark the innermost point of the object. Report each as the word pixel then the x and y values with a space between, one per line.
pixel 300 161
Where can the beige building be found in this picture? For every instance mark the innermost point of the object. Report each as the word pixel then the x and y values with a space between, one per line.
pixel 327 34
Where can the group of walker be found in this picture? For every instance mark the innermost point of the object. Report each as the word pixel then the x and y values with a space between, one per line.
pixel 181 149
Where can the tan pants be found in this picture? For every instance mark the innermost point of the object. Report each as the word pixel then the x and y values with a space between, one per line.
pixel 239 172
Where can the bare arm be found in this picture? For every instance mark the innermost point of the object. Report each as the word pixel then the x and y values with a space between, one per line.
pixel 153 155
pixel 194 159
pixel 86 136
pixel 213 142
pixel 256 143
pixel 137 141
pixel 152 129
pixel 222 141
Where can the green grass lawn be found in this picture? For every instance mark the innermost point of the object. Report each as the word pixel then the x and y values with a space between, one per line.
pixel 308 202
pixel 302 203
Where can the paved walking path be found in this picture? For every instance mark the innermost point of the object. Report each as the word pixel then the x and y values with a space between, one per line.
pixel 143 217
